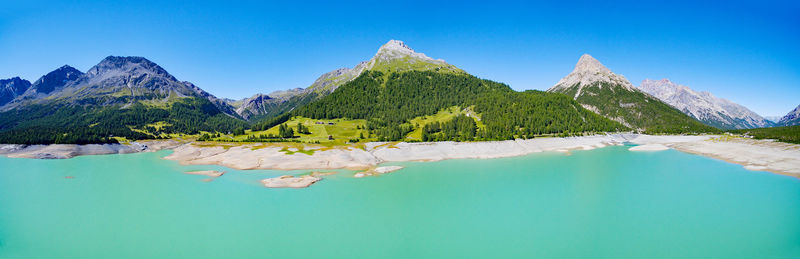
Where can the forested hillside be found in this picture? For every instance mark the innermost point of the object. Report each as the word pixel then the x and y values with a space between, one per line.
pixel 637 108
pixel 598 89
pixel 389 101
pixel 790 134
pixel 63 123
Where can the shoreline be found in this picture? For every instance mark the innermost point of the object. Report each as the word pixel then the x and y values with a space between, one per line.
pixel 758 155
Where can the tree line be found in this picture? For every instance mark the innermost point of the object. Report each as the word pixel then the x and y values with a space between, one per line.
pixel 76 124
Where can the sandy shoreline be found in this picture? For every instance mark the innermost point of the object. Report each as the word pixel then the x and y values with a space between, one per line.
pixel 762 155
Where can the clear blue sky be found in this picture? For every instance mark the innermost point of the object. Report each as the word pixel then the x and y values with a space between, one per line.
pixel 748 53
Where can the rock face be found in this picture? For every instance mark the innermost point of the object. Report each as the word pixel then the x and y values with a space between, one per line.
pixel 599 90
pixel 791 119
pixel 288 181
pixel 115 80
pixel 11 88
pixel 262 104
pixel 588 73
pixel 378 171
pixel 258 104
pixel 55 80
pixel 704 106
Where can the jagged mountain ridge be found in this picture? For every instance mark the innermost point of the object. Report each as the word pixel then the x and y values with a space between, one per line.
pixel 598 89
pixel 120 97
pixel 264 104
pixel 55 80
pixel 11 88
pixel 792 118
pixel 704 106
pixel 113 81
pixel 41 88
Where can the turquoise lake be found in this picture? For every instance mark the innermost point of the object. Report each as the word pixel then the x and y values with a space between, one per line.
pixel 606 203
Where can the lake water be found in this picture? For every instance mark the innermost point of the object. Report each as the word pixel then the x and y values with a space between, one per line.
pixel 609 203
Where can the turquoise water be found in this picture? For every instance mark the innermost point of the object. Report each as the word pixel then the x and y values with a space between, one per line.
pixel 608 203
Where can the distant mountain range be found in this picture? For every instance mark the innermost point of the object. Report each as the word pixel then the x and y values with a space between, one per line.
pixel 704 106
pixel 598 89
pixel 133 97
pixel 128 97
pixel 113 81
pixel 791 119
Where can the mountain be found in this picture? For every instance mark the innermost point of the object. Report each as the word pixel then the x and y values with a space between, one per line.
pixel 398 86
pixel 598 89
pixel 11 88
pixel 53 81
pixel 394 56
pixel 792 118
pixel 113 81
pixel 704 106
pixel 265 104
pixel 129 97
pixel 41 89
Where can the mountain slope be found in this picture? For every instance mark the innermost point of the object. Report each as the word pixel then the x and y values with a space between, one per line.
pixel 44 86
pixel 792 118
pixel 113 81
pixel 262 105
pixel 598 89
pixel 54 80
pixel 11 88
pixel 394 56
pixel 128 97
pixel 704 106
pixel 399 85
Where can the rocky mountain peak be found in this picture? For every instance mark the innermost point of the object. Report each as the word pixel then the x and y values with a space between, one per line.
pixel 56 79
pixel 135 65
pixel 394 56
pixel 792 118
pixel 590 72
pixel 395 49
pixel 11 88
pixel 588 64
pixel 13 81
pixel 396 45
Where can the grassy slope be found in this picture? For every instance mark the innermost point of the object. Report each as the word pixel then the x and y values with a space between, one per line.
pixel 342 130
pixel 441 117
pixel 409 64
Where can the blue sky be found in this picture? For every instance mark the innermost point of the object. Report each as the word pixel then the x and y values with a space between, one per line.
pixel 744 52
